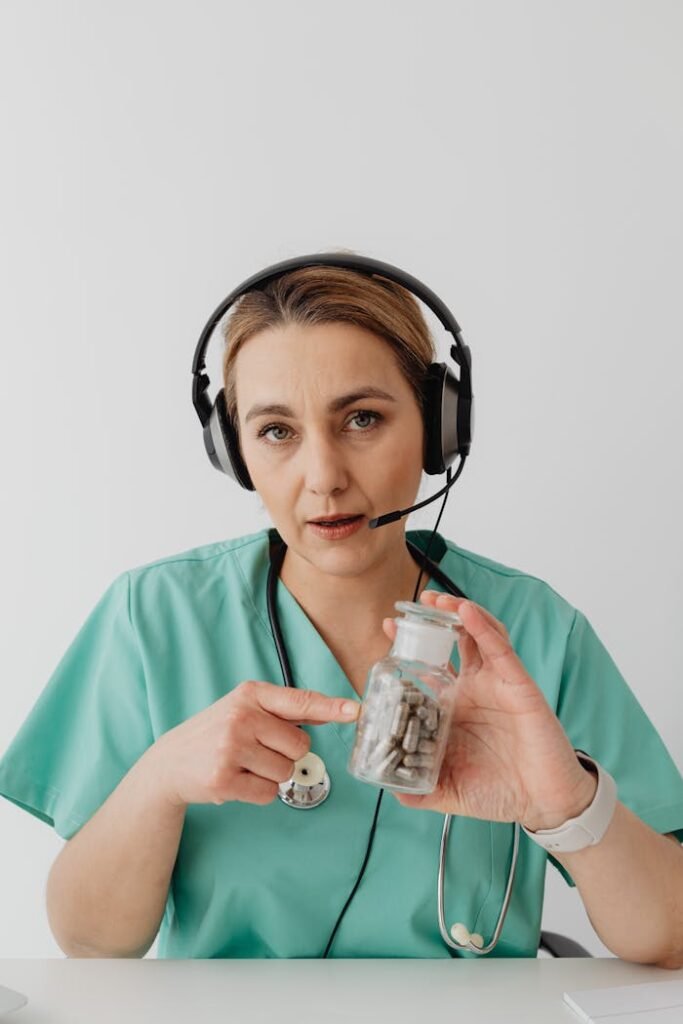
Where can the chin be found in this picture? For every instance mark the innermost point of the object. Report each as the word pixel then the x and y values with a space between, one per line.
pixel 346 557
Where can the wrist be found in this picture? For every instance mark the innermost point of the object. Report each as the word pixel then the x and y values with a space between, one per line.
pixel 572 806
pixel 153 765
pixel 588 827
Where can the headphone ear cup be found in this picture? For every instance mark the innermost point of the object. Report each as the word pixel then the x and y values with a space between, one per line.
pixel 222 444
pixel 441 393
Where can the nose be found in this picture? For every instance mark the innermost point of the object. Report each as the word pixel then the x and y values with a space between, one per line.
pixel 325 469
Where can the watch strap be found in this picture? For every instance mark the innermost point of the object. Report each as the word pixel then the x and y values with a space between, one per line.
pixel 587 828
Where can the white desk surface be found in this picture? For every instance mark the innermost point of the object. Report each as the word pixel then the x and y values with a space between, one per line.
pixel 524 991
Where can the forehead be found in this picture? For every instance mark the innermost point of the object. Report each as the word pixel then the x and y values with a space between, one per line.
pixel 279 362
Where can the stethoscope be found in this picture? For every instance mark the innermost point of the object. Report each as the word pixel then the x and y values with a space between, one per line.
pixel 310 783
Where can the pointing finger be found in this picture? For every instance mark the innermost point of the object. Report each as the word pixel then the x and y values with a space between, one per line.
pixel 307 706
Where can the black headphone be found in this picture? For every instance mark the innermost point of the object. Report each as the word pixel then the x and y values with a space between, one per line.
pixel 448 400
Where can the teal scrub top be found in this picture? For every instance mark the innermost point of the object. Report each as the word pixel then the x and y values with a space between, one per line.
pixel 169 638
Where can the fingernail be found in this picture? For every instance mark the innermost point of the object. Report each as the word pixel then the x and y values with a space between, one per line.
pixel 350 707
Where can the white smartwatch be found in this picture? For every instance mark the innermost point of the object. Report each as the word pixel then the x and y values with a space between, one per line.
pixel 589 827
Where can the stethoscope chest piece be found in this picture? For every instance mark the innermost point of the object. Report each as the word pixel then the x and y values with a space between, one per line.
pixel 308 786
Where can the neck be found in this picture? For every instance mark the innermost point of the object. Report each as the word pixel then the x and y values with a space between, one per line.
pixel 355 603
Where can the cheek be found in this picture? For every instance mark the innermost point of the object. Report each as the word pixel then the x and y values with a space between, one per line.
pixel 258 459
pixel 404 452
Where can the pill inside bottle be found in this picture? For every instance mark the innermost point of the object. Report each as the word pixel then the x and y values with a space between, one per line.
pixel 405 716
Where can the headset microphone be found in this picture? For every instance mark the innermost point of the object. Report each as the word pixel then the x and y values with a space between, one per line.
pixel 392 517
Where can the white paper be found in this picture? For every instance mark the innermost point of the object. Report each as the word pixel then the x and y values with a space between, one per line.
pixel 10 1000
pixel 659 1002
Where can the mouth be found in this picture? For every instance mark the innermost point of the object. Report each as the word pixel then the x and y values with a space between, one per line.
pixel 336 529
pixel 335 520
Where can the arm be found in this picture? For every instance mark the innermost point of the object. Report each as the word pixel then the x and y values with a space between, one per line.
pixel 107 889
pixel 509 759
pixel 631 860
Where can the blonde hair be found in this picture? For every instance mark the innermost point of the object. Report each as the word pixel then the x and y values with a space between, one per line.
pixel 322 294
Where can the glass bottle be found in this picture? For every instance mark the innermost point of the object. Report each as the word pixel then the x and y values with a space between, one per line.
pixel 406 710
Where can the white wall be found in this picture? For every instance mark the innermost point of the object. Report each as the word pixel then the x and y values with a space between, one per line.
pixel 524 159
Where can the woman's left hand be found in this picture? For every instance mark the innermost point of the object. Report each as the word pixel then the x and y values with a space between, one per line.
pixel 507 757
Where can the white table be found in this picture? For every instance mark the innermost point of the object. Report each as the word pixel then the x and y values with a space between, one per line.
pixel 84 991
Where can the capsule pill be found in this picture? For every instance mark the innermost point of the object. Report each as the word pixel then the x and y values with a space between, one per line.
pixel 412 735
pixel 432 719
pixel 418 761
pixel 400 720
pixel 389 763
pixel 381 750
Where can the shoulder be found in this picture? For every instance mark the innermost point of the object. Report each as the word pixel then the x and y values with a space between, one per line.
pixel 195 571
pixel 203 555
pixel 538 619
pixel 512 594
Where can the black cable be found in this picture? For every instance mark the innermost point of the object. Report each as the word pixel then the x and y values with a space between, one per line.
pixel 436 525
pixel 381 792
pixel 360 874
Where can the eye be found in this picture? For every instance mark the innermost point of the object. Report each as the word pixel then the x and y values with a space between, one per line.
pixel 366 412
pixel 265 430
pixel 375 419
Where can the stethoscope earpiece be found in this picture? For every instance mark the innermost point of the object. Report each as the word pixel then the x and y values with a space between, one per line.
pixel 463 936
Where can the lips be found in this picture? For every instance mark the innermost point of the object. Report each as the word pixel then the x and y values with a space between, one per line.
pixel 335 520
pixel 339 529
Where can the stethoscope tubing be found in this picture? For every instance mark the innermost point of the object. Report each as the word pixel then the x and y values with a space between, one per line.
pixel 483 950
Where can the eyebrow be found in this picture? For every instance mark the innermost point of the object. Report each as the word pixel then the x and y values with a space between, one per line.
pixel 334 406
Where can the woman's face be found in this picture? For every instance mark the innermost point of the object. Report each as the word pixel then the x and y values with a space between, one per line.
pixel 311 457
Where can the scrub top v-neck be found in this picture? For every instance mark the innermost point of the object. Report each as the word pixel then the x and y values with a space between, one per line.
pixel 171 637
pixel 313 664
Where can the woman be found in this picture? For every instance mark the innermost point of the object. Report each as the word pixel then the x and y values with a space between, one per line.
pixel 157 747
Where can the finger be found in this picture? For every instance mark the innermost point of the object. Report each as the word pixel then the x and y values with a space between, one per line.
pixel 389 627
pixel 255 790
pixel 410 799
pixel 470 658
pixel 493 646
pixel 266 763
pixel 283 737
pixel 449 602
pixel 302 705
pixel 493 620
pixel 437 599
pixel 443 602
pixel 432 596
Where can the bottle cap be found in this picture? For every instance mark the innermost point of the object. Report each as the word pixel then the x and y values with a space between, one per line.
pixel 424 634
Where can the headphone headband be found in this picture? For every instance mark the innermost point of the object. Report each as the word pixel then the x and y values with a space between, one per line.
pixel 448 400
pixel 460 352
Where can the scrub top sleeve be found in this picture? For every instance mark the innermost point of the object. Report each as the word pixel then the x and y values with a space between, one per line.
pixel 601 716
pixel 89 726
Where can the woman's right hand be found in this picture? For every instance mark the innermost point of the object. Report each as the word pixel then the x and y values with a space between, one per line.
pixel 243 745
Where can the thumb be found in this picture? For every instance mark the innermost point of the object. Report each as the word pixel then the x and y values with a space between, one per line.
pixel 414 800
